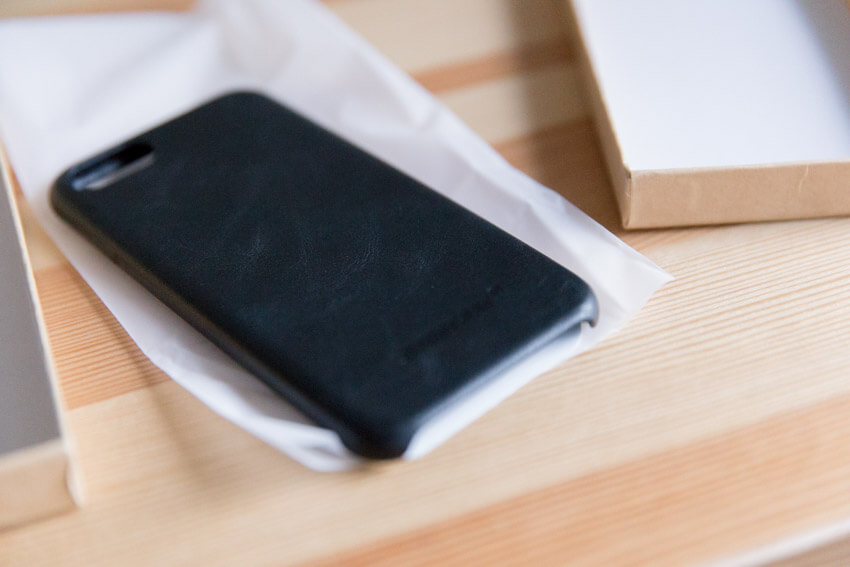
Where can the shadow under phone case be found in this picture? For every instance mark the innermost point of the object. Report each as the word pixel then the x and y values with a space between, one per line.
pixel 361 296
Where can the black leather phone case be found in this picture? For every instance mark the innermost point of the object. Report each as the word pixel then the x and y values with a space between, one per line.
pixel 364 298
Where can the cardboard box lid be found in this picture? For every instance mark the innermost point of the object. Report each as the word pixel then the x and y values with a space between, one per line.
pixel 717 111
pixel 35 474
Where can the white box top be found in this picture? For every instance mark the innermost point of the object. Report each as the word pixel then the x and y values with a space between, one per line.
pixel 717 83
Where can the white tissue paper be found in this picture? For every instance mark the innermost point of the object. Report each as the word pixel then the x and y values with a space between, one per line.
pixel 72 86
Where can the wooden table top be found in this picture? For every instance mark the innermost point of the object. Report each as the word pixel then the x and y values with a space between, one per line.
pixel 714 427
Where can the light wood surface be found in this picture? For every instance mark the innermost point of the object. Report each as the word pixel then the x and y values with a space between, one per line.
pixel 714 428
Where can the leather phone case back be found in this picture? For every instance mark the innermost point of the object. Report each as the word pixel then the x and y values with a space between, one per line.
pixel 363 297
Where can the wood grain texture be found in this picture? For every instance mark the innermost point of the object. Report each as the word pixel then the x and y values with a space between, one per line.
pixel 523 59
pixel 713 426
pixel 685 501
pixel 35 484
pixel 27 8
pixel 833 554
pixel 95 358
pixel 429 36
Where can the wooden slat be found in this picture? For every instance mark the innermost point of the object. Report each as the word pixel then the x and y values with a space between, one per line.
pixel 504 109
pixel 698 501
pixel 27 8
pixel 500 65
pixel 432 35
pixel 833 554
pixel 95 358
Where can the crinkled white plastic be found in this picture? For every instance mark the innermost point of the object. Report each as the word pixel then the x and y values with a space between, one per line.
pixel 72 86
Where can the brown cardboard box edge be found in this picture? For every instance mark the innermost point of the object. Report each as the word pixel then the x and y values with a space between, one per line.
pixel 716 195
pixel 40 480
pixel 738 194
